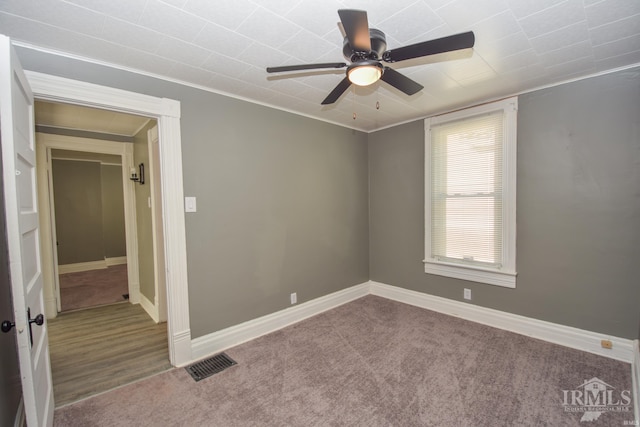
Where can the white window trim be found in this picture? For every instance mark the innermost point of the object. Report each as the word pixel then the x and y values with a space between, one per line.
pixel 505 275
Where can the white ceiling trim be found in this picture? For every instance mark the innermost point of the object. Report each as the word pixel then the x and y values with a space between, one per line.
pixel 264 104
pixel 488 101
pixel 176 81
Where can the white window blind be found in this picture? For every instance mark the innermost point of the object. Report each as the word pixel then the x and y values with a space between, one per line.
pixel 470 193
pixel 466 179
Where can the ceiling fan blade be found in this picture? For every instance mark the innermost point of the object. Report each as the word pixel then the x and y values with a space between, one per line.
pixel 400 81
pixel 337 91
pixel 431 47
pixel 356 26
pixel 305 67
pixel 341 28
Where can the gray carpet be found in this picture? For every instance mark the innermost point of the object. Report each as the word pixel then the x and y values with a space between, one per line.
pixel 93 288
pixel 372 362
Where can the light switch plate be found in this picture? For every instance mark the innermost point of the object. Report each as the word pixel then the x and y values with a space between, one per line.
pixel 190 204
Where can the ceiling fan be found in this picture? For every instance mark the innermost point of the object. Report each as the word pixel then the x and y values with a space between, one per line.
pixel 366 47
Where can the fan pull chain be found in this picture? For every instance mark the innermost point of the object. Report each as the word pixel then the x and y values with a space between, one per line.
pixel 377 105
pixel 353 103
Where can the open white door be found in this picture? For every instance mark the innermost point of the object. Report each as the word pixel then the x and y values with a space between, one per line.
pixel 19 175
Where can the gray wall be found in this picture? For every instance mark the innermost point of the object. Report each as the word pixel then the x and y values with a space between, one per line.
pixel 143 216
pixel 113 227
pixel 10 386
pixel 578 209
pixel 282 199
pixel 89 207
pixel 78 209
pixel 282 208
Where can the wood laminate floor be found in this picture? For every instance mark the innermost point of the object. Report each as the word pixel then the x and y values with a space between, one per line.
pixel 98 349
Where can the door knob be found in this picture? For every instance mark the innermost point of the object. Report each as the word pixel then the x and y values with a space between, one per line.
pixel 7 325
pixel 38 320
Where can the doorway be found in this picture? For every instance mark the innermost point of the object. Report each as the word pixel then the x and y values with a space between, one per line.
pixel 88 158
pixel 27 254
pixel 79 249
pixel 167 113
pixel 101 346
pixel 87 203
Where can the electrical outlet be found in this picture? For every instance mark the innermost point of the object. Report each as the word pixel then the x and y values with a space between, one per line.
pixel 294 298
pixel 606 344
pixel 467 293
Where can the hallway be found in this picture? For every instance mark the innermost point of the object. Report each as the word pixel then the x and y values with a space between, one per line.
pixel 98 349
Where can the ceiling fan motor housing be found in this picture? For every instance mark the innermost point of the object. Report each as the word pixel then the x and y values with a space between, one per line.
pixel 378 47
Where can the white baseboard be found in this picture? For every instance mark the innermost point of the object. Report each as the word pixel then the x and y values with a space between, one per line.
pixel 623 349
pixel 150 308
pixel 82 266
pixel 635 376
pixel 547 331
pixel 181 353
pixel 91 265
pixel 50 307
pixel 116 260
pixel 221 340
pixel 134 290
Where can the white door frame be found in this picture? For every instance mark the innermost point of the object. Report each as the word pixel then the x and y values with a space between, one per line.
pixel 47 142
pixel 160 303
pixel 167 113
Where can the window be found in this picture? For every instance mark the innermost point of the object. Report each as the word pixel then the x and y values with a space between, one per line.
pixel 470 194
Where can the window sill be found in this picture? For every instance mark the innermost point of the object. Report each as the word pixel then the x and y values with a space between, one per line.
pixel 473 274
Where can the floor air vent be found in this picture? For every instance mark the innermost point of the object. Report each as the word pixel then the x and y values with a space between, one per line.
pixel 213 365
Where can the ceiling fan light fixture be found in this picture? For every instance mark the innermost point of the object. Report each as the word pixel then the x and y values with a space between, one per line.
pixel 366 48
pixel 364 73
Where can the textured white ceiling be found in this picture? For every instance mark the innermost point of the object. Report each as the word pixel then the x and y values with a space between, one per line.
pixel 225 45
